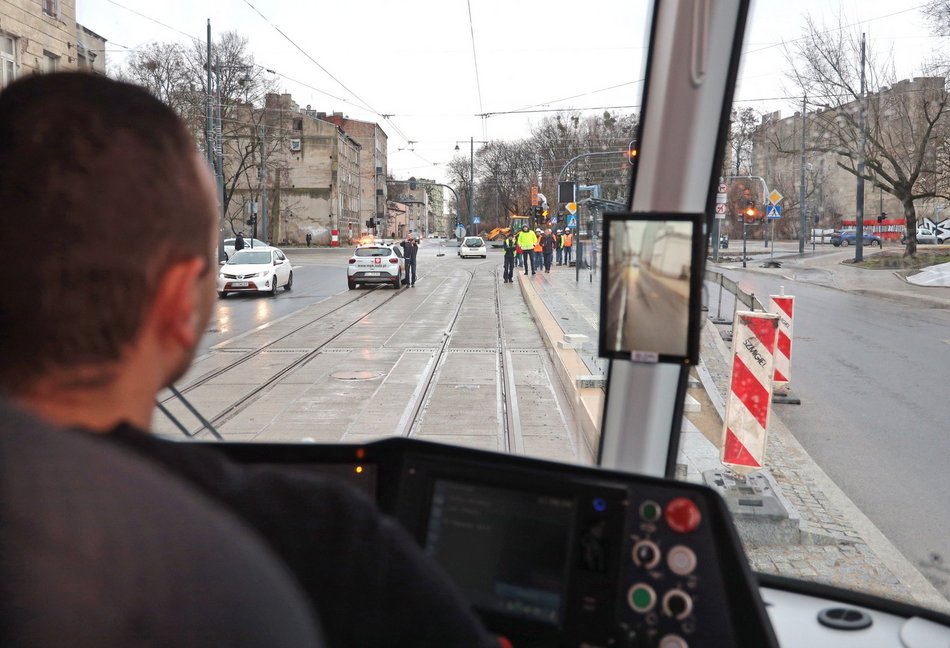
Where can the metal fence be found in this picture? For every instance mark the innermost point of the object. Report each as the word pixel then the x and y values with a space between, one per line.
pixel 741 297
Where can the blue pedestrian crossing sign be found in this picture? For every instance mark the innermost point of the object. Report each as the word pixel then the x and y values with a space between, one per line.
pixel 476 220
pixel 773 211
pixel 572 221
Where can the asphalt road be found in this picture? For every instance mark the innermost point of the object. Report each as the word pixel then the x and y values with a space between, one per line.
pixel 318 274
pixel 872 377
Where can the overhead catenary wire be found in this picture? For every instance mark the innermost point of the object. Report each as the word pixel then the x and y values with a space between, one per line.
pixel 478 81
pixel 198 40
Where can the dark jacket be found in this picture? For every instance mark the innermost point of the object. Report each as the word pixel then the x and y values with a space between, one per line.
pixel 369 582
pixel 238 243
pixel 511 248
pixel 410 249
pixel 547 242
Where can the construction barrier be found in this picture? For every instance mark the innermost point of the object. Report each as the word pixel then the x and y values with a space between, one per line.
pixel 784 306
pixel 750 392
pixel 334 238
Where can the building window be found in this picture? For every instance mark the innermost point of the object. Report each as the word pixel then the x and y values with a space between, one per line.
pixel 298 124
pixel 51 8
pixel 50 62
pixel 7 60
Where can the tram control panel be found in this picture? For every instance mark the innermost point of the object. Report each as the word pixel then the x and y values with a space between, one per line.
pixel 558 555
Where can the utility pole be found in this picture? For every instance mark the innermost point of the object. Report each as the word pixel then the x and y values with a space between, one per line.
pixel 859 229
pixel 219 144
pixel 262 174
pixel 802 223
pixel 471 184
pixel 210 146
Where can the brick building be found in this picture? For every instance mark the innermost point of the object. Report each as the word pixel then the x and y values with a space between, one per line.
pixel 374 166
pixel 43 36
pixel 313 177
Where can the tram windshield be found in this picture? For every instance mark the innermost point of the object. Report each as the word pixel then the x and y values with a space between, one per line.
pixel 448 123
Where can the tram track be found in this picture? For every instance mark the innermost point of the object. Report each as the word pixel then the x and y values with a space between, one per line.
pixel 250 397
pixel 249 355
pixel 506 401
pixel 411 421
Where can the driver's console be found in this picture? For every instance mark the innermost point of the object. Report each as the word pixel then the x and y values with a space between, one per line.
pixel 558 555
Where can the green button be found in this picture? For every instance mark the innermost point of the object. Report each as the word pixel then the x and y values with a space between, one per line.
pixel 650 511
pixel 641 598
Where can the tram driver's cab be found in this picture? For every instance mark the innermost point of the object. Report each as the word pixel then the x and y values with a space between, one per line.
pixel 620 555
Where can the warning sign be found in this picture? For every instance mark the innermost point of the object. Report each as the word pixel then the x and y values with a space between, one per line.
pixel 750 394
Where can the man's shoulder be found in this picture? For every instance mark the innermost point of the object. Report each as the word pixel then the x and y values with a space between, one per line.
pixel 133 534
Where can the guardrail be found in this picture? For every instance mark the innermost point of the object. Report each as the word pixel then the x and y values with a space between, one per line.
pixel 741 296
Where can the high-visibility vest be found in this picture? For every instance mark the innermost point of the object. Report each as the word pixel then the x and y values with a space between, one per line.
pixel 568 240
pixel 526 240
pixel 537 245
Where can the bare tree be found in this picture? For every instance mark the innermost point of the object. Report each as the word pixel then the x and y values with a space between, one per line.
pixel 743 123
pixel 905 130
pixel 177 75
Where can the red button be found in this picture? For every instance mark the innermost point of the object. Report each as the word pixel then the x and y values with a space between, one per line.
pixel 682 515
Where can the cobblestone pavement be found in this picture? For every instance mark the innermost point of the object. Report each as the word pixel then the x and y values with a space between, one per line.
pixel 834 550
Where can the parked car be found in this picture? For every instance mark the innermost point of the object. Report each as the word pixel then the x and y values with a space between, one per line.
pixel 936 237
pixel 473 246
pixel 248 244
pixel 376 264
pixel 258 269
pixel 849 237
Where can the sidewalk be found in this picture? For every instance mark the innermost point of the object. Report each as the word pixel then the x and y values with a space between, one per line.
pixel 839 545
pixel 824 266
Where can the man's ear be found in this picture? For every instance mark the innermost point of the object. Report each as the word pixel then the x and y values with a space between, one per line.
pixel 175 308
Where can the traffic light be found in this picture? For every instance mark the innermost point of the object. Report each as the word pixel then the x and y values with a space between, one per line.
pixel 632 151
pixel 749 211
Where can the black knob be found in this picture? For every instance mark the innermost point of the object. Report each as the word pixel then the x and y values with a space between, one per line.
pixel 646 554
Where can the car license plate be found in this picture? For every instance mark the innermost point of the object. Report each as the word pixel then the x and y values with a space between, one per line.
pixel 373 274
pixel 239 284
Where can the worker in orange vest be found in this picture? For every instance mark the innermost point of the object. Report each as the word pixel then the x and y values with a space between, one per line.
pixel 538 254
pixel 568 242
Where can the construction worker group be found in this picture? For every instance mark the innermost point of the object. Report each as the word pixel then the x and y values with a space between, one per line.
pixel 536 249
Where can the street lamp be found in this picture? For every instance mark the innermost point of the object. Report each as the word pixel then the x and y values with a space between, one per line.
pixel 471 177
pixel 631 153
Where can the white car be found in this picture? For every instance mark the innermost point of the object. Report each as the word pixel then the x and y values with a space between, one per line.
pixel 473 246
pixel 258 269
pixel 229 245
pixel 376 263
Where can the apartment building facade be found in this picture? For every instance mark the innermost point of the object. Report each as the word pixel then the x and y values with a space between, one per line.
pixel 39 36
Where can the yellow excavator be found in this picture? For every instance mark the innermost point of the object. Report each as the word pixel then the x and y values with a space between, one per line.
pixel 499 233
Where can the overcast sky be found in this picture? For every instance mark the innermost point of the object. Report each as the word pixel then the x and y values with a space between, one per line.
pixel 414 60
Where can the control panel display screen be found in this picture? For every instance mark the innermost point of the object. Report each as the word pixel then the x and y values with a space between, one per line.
pixel 506 549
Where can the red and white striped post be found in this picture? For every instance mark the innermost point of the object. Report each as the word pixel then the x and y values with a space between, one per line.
pixel 334 238
pixel 750 392
pixel 784 306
